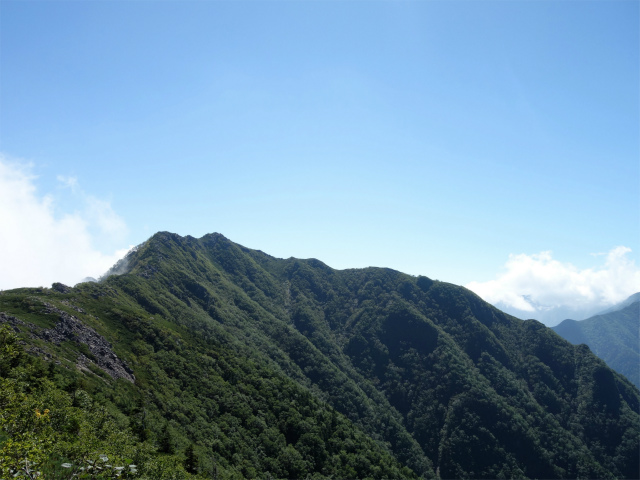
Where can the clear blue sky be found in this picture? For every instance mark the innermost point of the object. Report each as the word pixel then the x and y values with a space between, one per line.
pixel 432 137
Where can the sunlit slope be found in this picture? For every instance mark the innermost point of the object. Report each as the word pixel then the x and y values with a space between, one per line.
pixel 430 375
pixel 242 417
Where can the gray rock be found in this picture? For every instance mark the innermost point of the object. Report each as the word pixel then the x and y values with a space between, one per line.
pixel 70 328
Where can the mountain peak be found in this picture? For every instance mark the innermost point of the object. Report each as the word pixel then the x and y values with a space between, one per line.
pixel 286 356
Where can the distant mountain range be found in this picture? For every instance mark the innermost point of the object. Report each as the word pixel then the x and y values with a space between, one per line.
pixel 550 316
pixel 202 358
pixel 625 303
pixel 613 335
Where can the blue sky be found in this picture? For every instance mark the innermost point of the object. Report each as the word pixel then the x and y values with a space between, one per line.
pixel 436 138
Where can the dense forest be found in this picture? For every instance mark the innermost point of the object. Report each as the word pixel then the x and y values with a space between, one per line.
pixel 614 336
pixel 199 358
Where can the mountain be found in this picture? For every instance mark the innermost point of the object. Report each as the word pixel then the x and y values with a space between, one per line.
pixel 613 335
pixel 554 315
pixel 548 315
pixel 206 356
pixel 625 303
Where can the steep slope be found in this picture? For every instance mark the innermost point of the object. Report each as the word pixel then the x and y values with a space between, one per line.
pixel 613 336
pixel 417 372
pixel 244 418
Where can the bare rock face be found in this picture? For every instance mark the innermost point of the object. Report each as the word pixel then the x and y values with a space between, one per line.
pixel 70 328
pixel 11 320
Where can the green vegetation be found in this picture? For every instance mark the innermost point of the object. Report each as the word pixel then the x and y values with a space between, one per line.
pixel 248 366
pixel 613 336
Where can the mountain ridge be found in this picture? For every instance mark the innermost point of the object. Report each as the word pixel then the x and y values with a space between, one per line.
pixel 612 335
pixel 620 305
pixel 443 382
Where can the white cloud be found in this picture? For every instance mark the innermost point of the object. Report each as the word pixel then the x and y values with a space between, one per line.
pixel 69 182
pixel 106 220
pixel 40 245
pixel 538 285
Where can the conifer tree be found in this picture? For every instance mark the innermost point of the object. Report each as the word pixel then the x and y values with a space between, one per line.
pixel 191 462
pixel 165 441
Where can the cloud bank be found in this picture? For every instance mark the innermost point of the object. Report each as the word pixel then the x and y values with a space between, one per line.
pixel 538 286
pixel 39 244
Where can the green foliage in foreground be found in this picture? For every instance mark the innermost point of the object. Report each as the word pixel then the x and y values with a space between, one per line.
pixel 247 366
pixel 53 429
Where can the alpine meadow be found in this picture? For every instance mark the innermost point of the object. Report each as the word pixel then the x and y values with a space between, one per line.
pixel 201 358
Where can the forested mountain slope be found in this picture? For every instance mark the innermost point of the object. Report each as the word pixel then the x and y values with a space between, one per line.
pixel 288 368
pixel 614 336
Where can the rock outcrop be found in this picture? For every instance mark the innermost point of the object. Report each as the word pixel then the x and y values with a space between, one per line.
pixel 70 328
